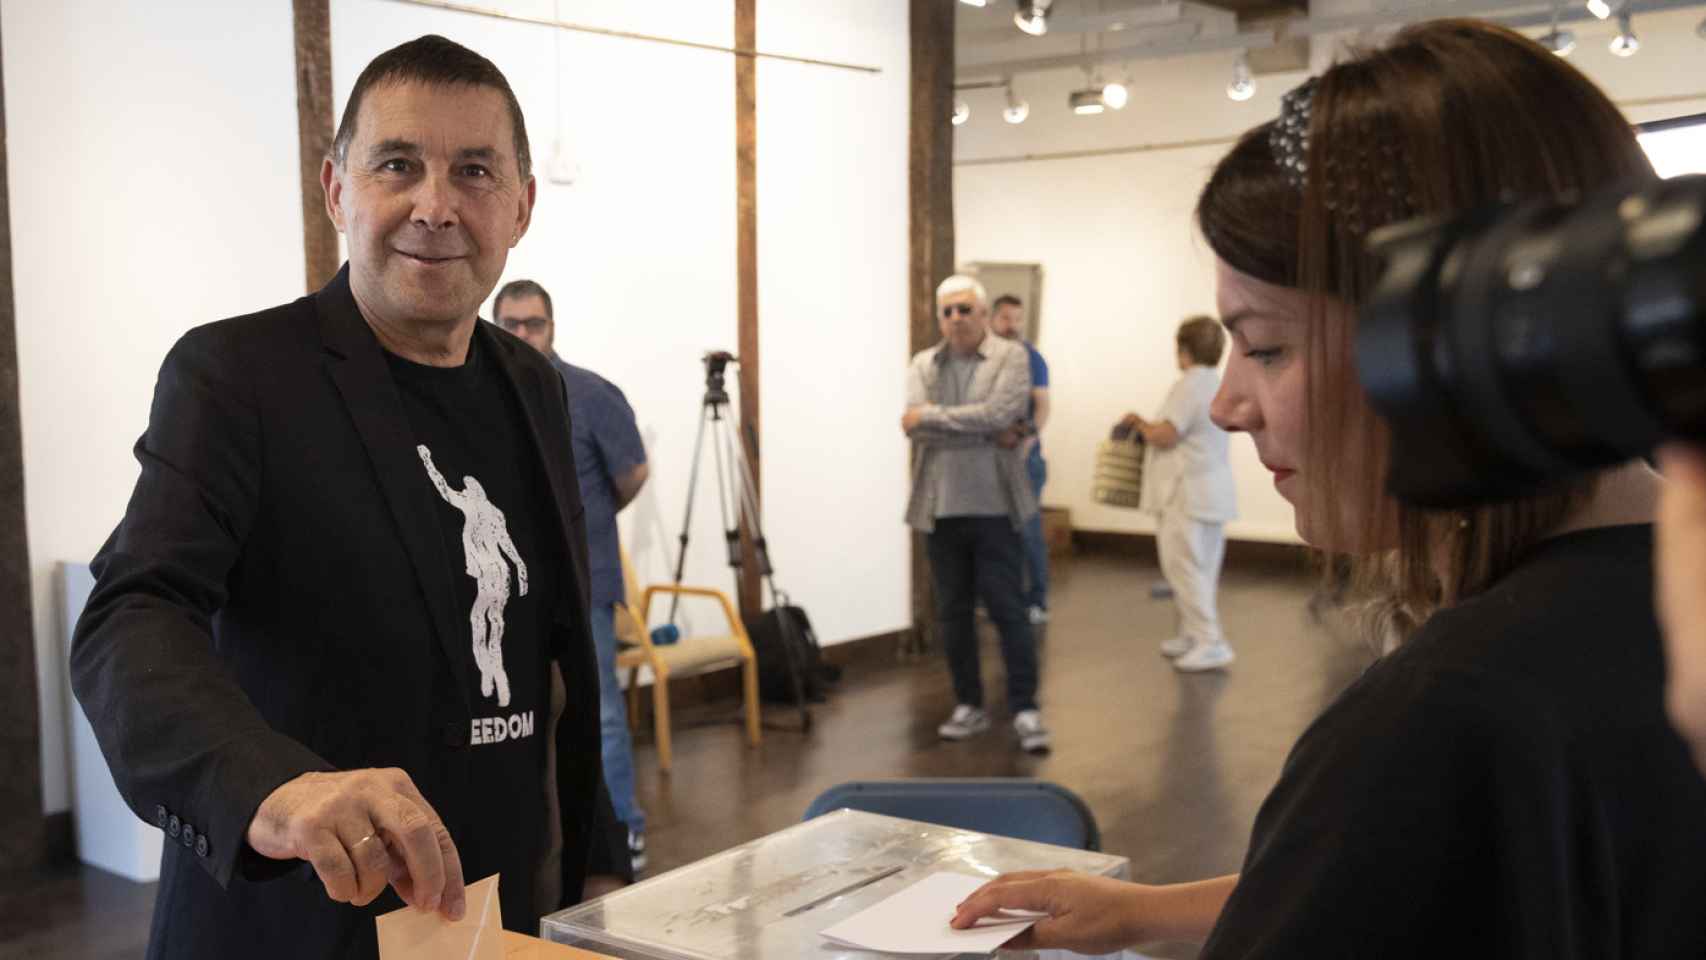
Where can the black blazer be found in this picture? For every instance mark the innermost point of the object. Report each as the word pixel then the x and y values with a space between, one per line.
pixel 278 599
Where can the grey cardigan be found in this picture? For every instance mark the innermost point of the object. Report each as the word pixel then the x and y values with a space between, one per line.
pixel 999 394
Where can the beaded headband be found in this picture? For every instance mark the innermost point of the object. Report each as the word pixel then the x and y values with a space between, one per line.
pixel 1289 136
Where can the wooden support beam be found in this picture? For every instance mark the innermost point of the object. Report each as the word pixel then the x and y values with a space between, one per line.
pixel 932 217
pixel 313 27
pixel 746 269
pixel 23 841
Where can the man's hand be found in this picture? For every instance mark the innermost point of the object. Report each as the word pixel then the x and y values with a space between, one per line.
pixel 1086 914
pixel 362 829
pixel 1680 572
pixel 910 420
pixel 1010 438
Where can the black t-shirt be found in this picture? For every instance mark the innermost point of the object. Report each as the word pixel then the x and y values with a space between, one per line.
pixel 497 522
pixel 1504 785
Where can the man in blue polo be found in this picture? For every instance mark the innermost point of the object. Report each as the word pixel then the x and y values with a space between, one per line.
pixel 1007 319
pixel 610 461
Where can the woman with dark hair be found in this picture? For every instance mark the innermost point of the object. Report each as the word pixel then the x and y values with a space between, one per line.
pixel 1503 780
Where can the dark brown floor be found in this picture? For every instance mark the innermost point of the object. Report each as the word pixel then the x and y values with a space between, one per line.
pixel 1174 767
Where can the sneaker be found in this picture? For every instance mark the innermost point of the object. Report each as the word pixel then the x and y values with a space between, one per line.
pixel 1204 656
pixel 1174 647
pixel 1038 615
pixel 637 850
pixel 967 722
pixel 1033 736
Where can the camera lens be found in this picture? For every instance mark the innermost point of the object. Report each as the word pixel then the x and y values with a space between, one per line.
pixel 1512 348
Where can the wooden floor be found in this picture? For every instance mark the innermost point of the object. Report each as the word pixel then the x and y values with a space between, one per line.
pixel 1173 766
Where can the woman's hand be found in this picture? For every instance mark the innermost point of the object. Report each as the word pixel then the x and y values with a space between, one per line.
pixel 1085 914
pixel 1129 424
pixel 1680 572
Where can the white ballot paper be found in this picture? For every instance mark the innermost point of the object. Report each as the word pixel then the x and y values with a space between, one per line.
pixel 915 920
pixel 410 934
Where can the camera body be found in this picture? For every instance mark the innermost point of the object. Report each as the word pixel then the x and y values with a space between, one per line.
pixel 716 363
pixel 1512 348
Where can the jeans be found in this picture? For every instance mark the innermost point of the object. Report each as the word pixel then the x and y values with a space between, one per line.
pixel 613 723
pixel 1036 551
pixel 975 558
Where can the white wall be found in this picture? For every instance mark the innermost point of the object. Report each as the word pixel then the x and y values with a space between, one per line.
pixel 1122 261
pixel 151 150
pixel 157 145
pixel 832 267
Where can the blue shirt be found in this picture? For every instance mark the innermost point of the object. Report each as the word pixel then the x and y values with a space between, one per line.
pixel 1039 378
pixel 607 445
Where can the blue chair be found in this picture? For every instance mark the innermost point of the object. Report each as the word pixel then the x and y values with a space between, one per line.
pixel 1021 809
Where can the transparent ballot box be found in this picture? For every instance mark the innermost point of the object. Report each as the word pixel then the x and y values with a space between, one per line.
pixel 734 905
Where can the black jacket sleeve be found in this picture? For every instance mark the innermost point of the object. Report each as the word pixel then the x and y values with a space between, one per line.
pixel 181 737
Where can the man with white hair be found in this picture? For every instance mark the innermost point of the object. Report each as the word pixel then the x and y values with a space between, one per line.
pixel 970 497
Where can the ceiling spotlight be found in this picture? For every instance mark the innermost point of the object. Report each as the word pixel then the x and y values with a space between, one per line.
pixel 1600 9
pixel 1560 42
pixel 1243 85
pixel 1017 110
pixel 1115 95
pixel 975 3
pixel 962 112
pixel 1087 103
pixel 1032 16
pixel 1625 43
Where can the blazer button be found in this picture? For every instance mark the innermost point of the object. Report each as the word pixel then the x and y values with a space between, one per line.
pixel 456 733
pixel 161 816
pixel 188 836
pixel 174 827
pixel 201 846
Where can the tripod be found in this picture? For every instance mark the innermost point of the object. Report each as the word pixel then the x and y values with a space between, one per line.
pixel 737 505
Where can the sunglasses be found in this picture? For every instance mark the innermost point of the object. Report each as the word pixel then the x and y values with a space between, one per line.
pixel 963 309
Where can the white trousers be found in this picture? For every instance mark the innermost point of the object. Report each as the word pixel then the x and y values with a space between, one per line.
pixel 1191 554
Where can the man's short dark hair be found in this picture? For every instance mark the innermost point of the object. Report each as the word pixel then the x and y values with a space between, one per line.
pixel 1203 338
pixel 516 289
pixel 433 60
pixel 1004 300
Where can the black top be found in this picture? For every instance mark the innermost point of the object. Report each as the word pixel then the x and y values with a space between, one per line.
pixel 470 434
pixel 1505 785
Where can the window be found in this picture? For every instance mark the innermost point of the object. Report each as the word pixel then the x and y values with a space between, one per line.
pixel 1676 146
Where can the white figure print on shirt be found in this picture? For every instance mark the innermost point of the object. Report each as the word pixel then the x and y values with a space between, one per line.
pixel 485 546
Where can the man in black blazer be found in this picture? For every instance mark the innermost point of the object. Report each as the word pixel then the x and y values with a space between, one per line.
pixel 325 629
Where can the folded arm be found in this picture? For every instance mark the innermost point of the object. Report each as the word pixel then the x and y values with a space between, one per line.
pixel 1007 403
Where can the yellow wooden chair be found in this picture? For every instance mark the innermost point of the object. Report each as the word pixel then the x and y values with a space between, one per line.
pixel 689 656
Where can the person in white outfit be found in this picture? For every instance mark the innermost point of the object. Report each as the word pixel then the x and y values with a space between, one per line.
pixel 1187 483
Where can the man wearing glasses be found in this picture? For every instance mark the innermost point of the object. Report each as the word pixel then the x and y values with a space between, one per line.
pixel 610 463
pixel 971 497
